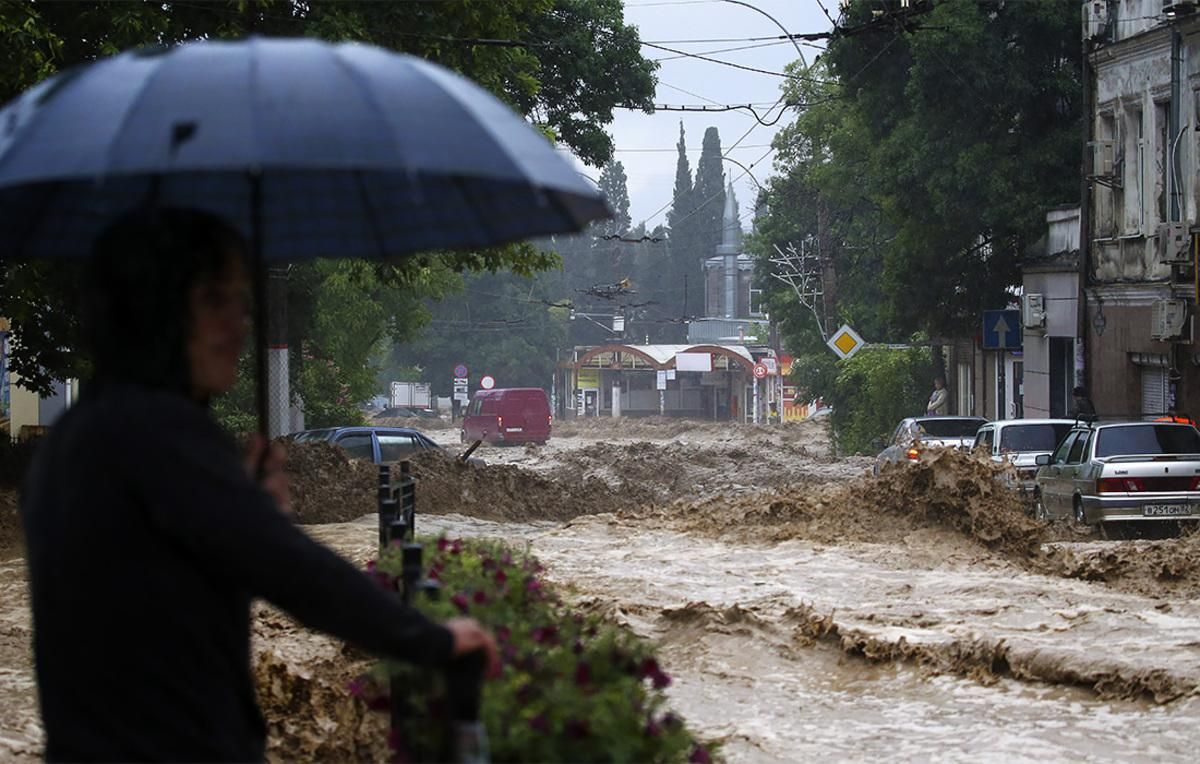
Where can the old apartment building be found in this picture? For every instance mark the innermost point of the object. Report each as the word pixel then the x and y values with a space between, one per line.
pixel 1140 204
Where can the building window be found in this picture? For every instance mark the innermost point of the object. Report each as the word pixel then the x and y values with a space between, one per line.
pixel 1162 133
pixel 1134 180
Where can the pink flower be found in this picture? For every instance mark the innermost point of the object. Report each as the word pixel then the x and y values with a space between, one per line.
pixel 577 648
pixel 460 601
pixel 661 681
pixel 456 546
pixel 442 543
pixel 357 688
pixel 479 598
pixel 501 577
pixel 652 729
pixel 539 723
pixel 545 634
pixel 503 633
pixel 649 667
pixel 699 755
pixel 489 563
pixel 533 585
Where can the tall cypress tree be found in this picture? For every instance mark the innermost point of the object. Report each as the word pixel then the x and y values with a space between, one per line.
pixel 612 259
pixel 614 184
pixel 709 196
pixel 680 262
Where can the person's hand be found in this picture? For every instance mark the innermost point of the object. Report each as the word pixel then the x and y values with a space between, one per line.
pixel 470 636
pixel 267 470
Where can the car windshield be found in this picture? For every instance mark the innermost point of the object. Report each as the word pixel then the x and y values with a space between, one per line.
pixel 1148 439
pixel 949 428
pixel 1032 437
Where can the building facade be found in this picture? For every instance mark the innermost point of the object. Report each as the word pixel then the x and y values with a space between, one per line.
pixel 1140 233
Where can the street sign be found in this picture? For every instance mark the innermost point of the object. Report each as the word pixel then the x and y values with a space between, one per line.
pixel 460 370
pixel 661 380
pixel 1002 330
pixel 460 381
pixel 462 397
pixel 487 382
pixel 760 371
pixel 769 362
pixel 845 342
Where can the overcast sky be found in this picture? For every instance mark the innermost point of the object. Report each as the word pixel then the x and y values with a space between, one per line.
pixel 645 144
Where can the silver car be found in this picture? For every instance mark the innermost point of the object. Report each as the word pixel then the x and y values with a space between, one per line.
pixel 1019 442
pixel 1127 472
pixel 915 434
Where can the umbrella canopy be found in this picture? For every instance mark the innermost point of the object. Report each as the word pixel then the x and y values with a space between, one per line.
pixel 313 149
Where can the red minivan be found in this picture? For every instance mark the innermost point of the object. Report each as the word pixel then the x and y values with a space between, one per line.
pixel 512 415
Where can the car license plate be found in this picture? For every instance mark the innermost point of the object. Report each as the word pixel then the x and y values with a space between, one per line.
pixel 1166 510
pixel 514 429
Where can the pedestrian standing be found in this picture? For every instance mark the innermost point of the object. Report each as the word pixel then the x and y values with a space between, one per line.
pixel 939 400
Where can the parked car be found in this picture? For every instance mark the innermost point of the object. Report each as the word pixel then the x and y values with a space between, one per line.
pixel 1019 442
pixel 1122 472
pixel 915 434
pixel 374 444
pixel 508 416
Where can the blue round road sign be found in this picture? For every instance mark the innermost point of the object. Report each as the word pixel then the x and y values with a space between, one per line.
pixel 460 370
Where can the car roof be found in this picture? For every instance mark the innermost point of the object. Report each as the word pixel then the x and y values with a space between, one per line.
pixel 948 419
pixel 1011 422
pixel 1108 425
pixel 364 428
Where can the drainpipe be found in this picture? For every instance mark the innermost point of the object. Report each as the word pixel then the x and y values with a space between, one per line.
pixel 1173 120
pixel 1085 225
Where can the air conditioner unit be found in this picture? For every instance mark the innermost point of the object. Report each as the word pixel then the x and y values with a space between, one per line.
pixel 1095 20
pixel 1173 245
pixel 1104 158
pixel 1170 321
pixel 1033 311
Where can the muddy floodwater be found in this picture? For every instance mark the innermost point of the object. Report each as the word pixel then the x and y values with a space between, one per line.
pixel 726 617
pixel 802 606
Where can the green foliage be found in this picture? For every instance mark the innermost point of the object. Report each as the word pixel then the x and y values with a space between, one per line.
pixel 873 391
pixel 922 160
pixel 572 689
pixel 972 125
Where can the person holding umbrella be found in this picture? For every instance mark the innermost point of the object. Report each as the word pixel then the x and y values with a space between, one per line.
pixel 143 562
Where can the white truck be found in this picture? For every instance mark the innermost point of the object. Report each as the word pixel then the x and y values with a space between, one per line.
pixel 418 395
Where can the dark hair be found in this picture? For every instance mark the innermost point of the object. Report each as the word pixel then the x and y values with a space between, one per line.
pixel 1079 391
pixel 137 315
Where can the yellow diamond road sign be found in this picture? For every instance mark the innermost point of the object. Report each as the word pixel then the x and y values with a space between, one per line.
pixel 845 342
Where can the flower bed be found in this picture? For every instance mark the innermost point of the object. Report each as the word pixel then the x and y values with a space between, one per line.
pixel 573 688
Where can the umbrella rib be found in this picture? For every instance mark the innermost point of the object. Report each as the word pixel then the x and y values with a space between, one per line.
pixel 369 98
pixel 160 64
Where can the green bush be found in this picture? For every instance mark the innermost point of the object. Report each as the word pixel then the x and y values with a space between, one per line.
pixel 874 390
pixel 573 688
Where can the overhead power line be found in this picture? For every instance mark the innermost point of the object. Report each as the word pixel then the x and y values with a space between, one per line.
pixel 685 54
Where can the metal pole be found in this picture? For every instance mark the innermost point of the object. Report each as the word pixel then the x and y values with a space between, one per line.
pixel 755 417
